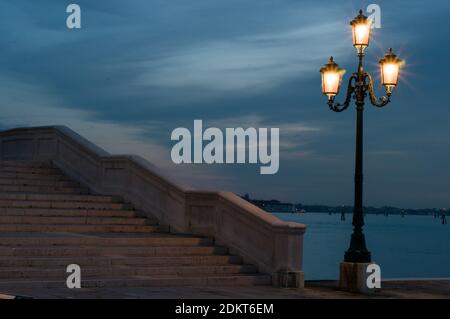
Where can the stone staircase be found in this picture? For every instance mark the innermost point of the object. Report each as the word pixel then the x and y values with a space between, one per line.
pixel 48 221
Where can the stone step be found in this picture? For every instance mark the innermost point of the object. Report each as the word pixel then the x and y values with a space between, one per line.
pixel 57 204
pixel 123 271
pixel 101 261
pixel 58 197
pixel 81 240
pixel 32 170
pixel 48 221
pixel 47 177
pixel 37 182
pixel 153 281
pixel 23 163
pixel 71 220
pixel 44 228
pixel 64 251
pixel 66 212
pixel 43 189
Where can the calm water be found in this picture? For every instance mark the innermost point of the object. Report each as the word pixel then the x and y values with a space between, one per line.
pixel 409 247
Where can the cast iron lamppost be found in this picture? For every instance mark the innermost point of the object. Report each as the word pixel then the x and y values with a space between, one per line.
pixel 360 85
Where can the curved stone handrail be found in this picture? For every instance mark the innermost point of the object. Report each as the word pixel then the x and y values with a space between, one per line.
pixel 275 246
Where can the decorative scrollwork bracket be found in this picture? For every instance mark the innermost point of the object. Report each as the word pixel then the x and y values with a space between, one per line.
pixel 378 102
pixel 338 107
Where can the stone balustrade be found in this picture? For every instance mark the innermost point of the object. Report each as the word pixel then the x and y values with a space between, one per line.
pixel 275 246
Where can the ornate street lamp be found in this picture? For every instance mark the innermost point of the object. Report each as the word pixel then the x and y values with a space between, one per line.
pixel 361 29
pixel 390 69
pixel 331 78
pixel 359 86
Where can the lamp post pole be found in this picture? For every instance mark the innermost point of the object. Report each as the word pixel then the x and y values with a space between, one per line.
pixel 357 251
pixel 360 86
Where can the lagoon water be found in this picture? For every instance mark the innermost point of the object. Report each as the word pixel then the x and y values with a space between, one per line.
pixel 409 247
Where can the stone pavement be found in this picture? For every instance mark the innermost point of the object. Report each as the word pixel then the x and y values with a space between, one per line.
pixel 416 289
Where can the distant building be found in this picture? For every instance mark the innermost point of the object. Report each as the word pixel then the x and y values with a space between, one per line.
pixel 271 206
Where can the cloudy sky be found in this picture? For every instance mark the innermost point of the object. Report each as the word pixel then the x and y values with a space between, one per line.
pixel 138 69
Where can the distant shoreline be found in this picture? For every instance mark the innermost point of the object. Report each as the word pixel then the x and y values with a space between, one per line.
pixel 274 205
pixel 372 210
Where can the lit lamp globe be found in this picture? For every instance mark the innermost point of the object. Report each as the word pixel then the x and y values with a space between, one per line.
pixel 390 69
pixel 331 78
pixel 361 28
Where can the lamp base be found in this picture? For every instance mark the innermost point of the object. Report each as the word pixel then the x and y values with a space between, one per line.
pixel 353 278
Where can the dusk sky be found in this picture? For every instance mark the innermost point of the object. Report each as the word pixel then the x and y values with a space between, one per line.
pixel 138 69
